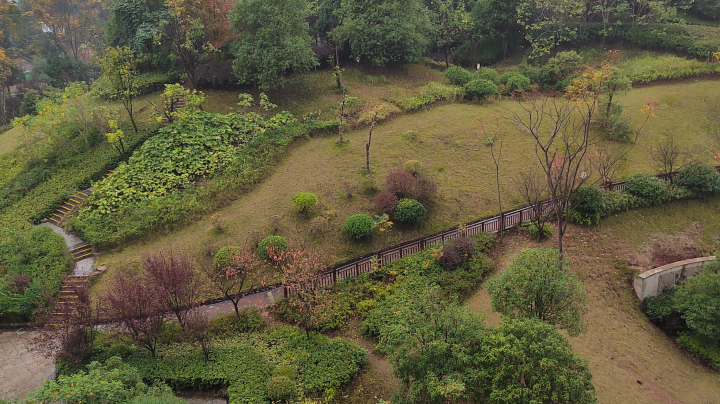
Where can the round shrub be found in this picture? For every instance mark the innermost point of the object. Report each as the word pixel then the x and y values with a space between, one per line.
pixel 588 205
pixel 699 179
pixel 281 388
pixel 358 226
pixel 648 188
pixel 385 202
pixel 480 88
pixel 486 73
pixel 400 183
pixel 272 244
pixel 425 190
pixel 304 201
pixel 517 82
pixel 413 167
pixel 409 211
pixel 458 75
pixel 224 256
pixel 539 234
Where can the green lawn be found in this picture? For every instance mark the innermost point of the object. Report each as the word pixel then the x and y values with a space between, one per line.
pixel 9 140
pixel 446 141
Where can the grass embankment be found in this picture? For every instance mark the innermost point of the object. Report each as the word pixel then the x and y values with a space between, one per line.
pixel 9 140
pixel 631 360
pixel 446 140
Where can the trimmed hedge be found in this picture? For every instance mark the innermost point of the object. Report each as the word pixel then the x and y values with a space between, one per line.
pixel 359 226
pixel 409 211
pixel 480 89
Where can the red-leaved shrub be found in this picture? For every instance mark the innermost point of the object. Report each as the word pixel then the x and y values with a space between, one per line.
pixel 400 183
pixel 18 283
pixel 385 202
pixel 425 190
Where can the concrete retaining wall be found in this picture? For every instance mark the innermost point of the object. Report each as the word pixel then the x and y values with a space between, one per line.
pixel 660 279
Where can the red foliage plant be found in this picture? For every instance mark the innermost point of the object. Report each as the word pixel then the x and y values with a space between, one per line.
pixel 18 283
pixel 425 190
pixel 135 310
pixel 400 183
pixel 385 202
pixel 175 281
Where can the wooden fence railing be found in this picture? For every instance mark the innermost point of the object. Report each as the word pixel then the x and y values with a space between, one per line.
pixel 506 220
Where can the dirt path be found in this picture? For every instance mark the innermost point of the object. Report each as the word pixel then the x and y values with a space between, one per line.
pixel 21 370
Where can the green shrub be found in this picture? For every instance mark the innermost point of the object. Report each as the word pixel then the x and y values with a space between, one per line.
pixel 587 204
pixel 619 201
pixel 413 167
pixel 32 266
pixel 409 211
pixel 486 73
pixel 429 94
pixel 516 82
pixel 539 234
pixel 648 188
pixel 224 256
pixel 359 226
pixel 699 180
pixel 479 89
pixel 272 244
pixel 281 388
pixel 249 320
pixel 304 201
pixel 559 69
pixel 484 241
pixel 654 67
pixel 700 349
pixel 458 76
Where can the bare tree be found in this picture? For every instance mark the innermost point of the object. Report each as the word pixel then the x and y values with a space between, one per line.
pixel 667 155
pixel 175 282
pixel 604 160
pixel 367 145
pixel 494 141
pixel 562 132
pixel 134 310
pixel 532 189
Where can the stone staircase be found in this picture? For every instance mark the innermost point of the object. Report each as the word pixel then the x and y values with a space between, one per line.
pixel 68 207
pixel 81 251
pixel 68 297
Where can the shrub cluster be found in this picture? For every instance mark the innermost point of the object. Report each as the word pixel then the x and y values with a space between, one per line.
pixel 694 181
pixel 478 89
pixel 431 93
pixel 458 76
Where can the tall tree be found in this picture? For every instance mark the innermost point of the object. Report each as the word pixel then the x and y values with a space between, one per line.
pixel 549 23
pixel 70 23
pixel 383 31
pixel 496 20
pixel 534 285
pixel 272 41
pixel 302 279
pixel 120 66
pixel 451 25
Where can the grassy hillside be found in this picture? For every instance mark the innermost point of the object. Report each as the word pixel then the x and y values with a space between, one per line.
pixel 446 141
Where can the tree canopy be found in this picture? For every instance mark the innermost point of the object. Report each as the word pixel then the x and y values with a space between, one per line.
pixel 534 285
pixel 273 40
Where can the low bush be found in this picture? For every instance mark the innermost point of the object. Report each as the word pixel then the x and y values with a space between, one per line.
pixel 413 167
pixel 359 226
pixel 619 201
pixel 699 179
pixel 380 112
pixel 559 69
pixel 484 241
pixel 539 234
pixel 224 256
pixel 486 73
pixel 515 81
pixel 458 76
pixel 32 267
pixel 652 67
pixel 400 183
pixel 409 211
pixel 648 188
pixel 304 201
pixel 281 389
pixel 385 202
pixel 431 93
pixel 480 89
pixel 587 204
pixel 699 348
pixel 424 190
pixel 456 252
pixel 246 363
pixel 271 245
pixel 248 320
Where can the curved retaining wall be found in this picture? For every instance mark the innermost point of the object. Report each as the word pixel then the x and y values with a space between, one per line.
pixel 657 280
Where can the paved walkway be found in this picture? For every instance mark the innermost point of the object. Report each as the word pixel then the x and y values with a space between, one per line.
pixel 21 370
pixel 259 300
